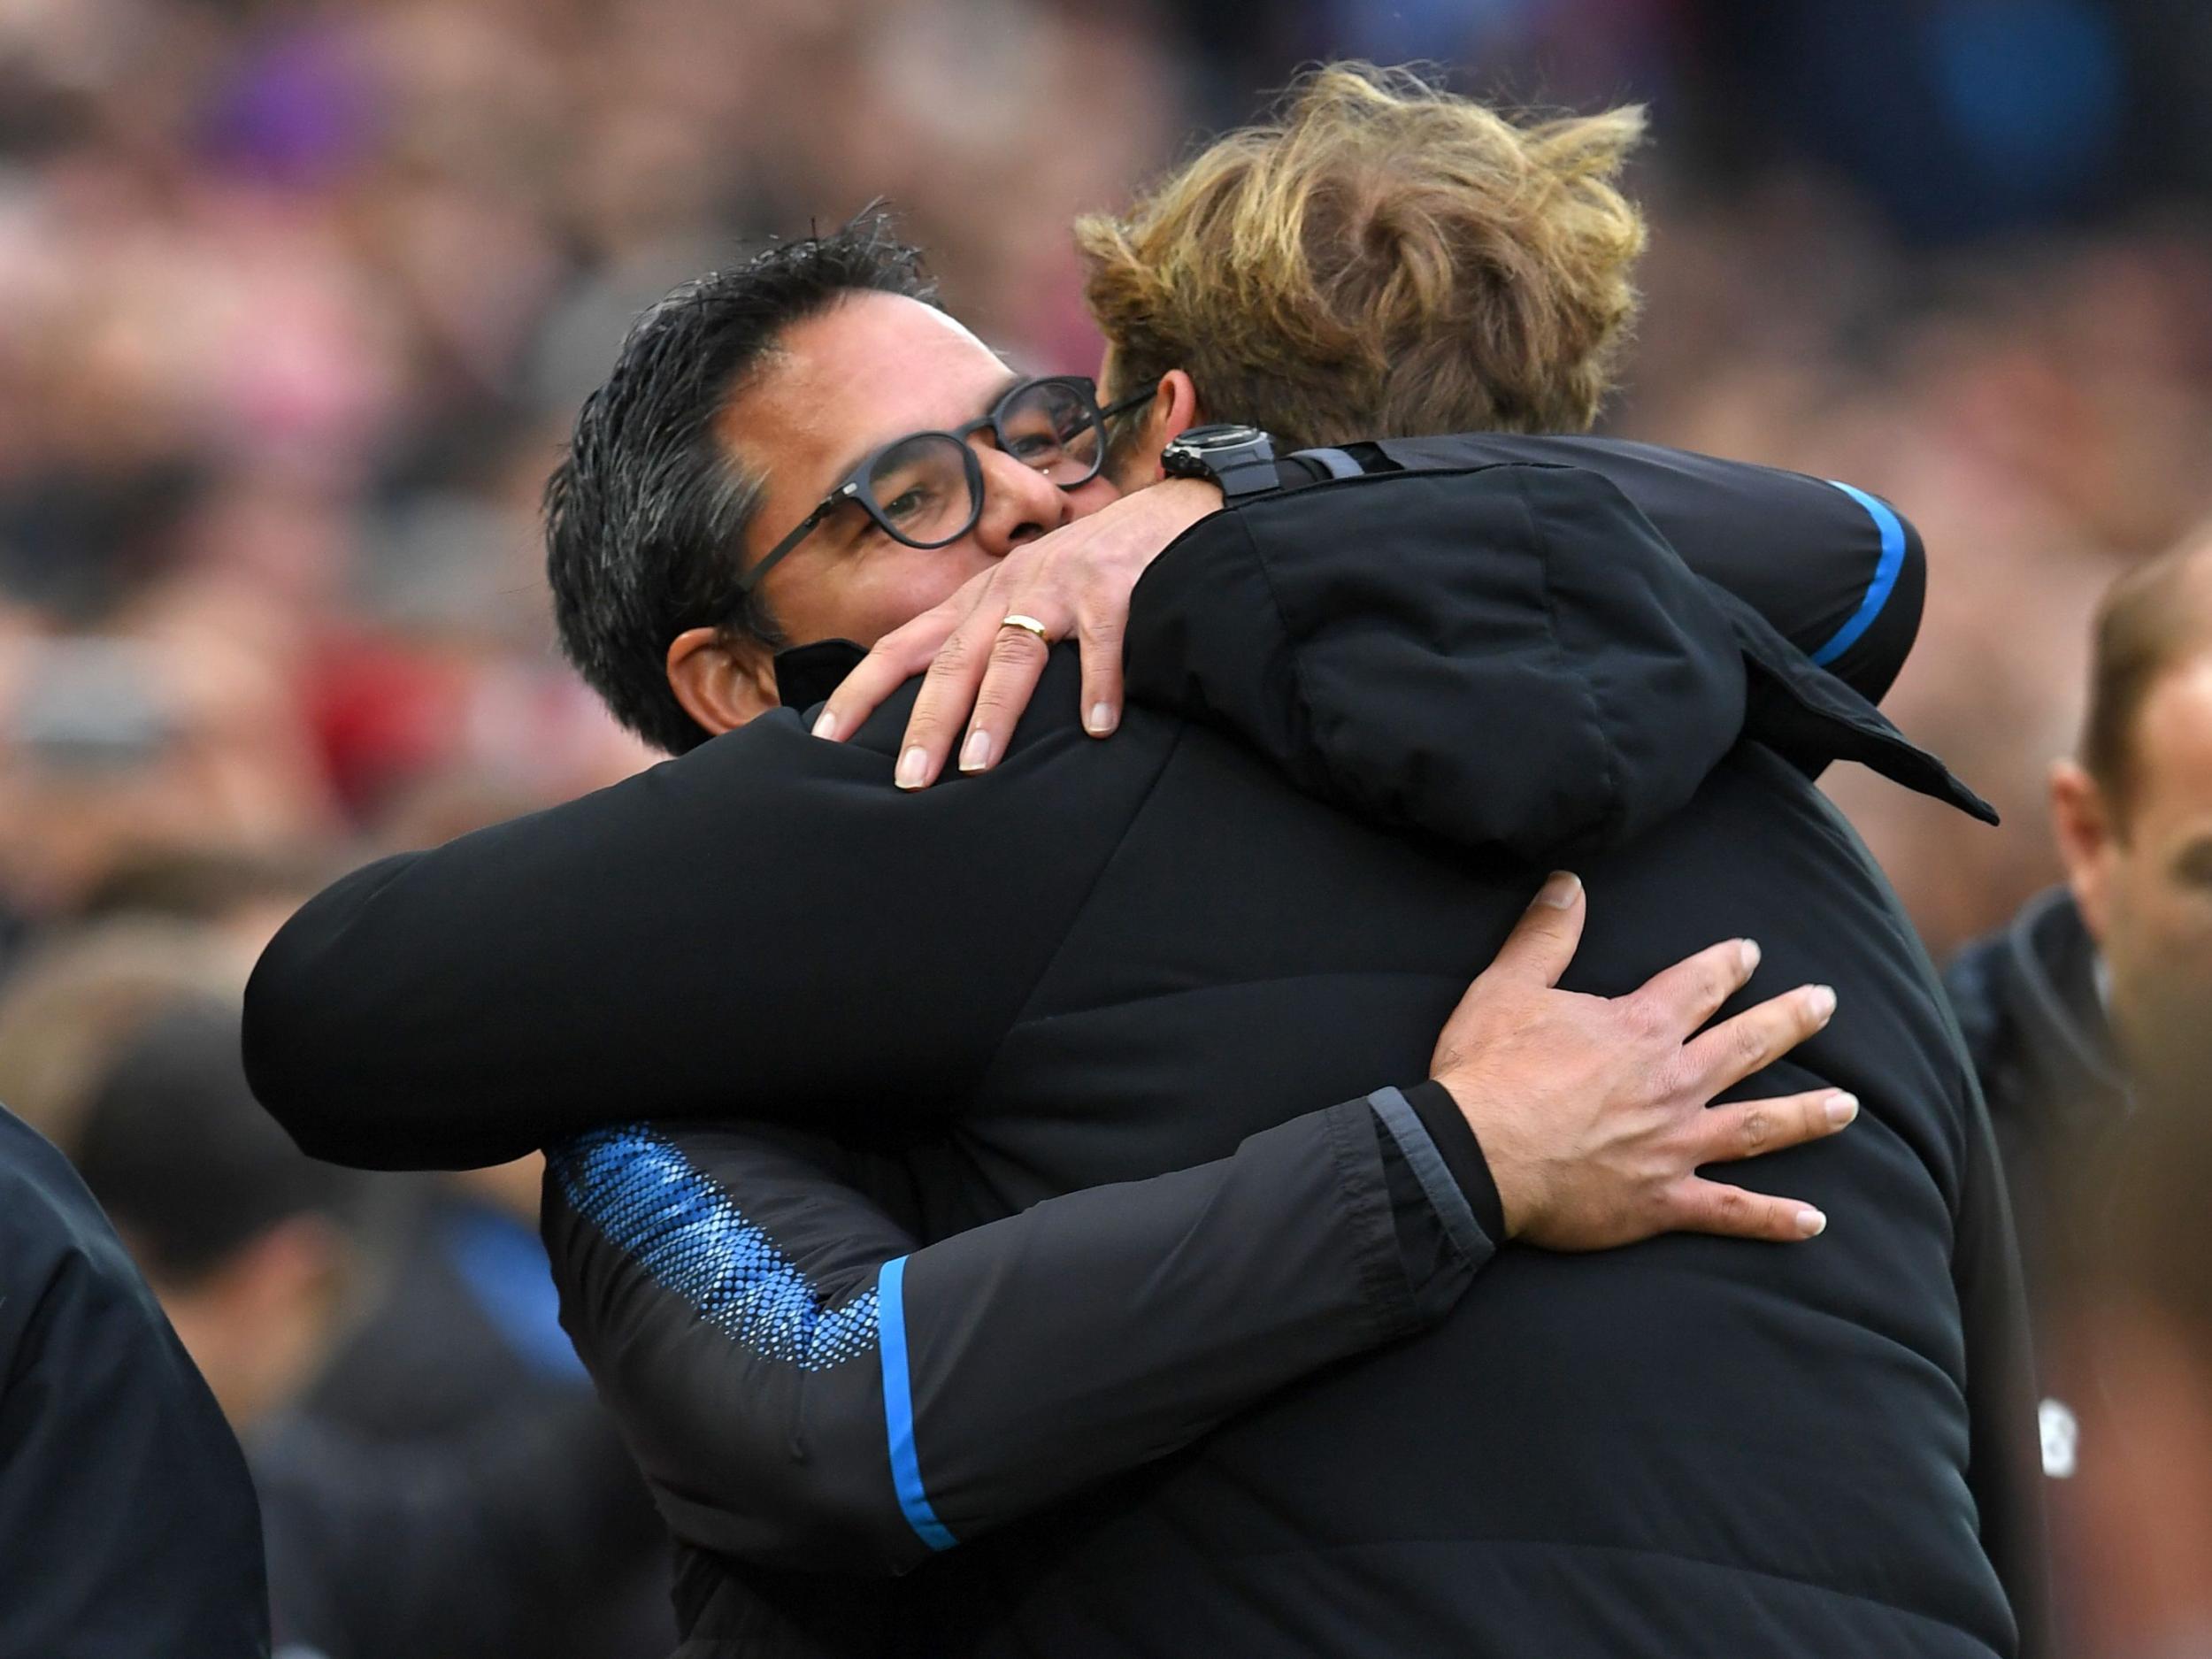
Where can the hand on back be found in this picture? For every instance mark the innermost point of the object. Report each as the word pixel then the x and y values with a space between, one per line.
pixel 1592 1112
pixel 1075 583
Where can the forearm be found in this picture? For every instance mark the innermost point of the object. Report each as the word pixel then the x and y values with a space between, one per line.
pixel 727 919
pixel 808 1385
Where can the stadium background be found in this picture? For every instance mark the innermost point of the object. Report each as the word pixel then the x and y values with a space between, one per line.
pixel 297 299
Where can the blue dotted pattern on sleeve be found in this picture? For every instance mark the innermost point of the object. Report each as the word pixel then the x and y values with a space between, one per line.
pixel 649 1200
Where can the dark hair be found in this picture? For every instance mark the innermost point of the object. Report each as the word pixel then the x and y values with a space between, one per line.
pixel 645 517
pixel 2149 622
pixel 176 1148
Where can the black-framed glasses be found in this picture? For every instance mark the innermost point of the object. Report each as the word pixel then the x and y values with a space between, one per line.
pixel 927 488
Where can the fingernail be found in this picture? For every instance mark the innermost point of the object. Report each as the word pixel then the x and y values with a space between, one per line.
pixel 1748 950
pixel 912 765
pixel 1102 719
pixel 1559 892
pixel 1824 1000
pixel 975 754
pixel 826 725
pixel 1812 1222
pixel 1842 1108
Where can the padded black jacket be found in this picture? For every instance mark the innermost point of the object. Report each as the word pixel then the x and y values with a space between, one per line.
pixel 1692 1445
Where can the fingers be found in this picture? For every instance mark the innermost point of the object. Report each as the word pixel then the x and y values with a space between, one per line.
pixel 1733 1050
pixel 1749 1128
pixel 1702 1206
pixel 1100 639
pixel 948 690
pixel 1543 942
pixel 1017 661
pixel 1684 996
pixel 896 658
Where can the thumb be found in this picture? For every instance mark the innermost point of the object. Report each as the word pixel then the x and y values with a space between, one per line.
pixel 1543 942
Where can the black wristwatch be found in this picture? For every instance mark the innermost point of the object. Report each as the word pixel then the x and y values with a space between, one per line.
pixel 1240 459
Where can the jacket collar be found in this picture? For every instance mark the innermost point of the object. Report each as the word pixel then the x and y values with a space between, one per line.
pixel 806 674
pixel 2049 968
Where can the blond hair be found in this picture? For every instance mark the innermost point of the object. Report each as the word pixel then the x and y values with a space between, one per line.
pixel 1381 258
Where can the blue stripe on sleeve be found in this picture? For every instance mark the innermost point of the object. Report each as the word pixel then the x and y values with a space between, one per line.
pixel 1886 569
pixel 650 1202
pixel 898 1408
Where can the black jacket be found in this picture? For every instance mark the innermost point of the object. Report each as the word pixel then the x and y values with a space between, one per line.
pixel 127 1523
pixel 1622 1453
pixel 2036 1029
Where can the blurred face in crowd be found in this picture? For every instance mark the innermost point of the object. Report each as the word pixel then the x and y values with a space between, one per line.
pixel 2141 868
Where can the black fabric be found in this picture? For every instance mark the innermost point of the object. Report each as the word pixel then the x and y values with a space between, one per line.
pixel 127 1522
pixel 2027 1003
pixel 2036 1027
pixel 1090 1333
pixel 1691 1445
pixel 1454 1137
pixel 1410 1138
pixel 1800 550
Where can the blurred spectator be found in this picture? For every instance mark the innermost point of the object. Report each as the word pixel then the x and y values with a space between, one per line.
pixel 436 1476
pixel 246 1241
pixel 81 997
pixel 2053 1004
pixel 510 1518
pixel 2094 981
pixel 126 1519
pixel 2137 1321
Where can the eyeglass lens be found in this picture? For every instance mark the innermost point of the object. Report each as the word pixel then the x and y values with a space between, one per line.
pixel 1050 426
pixel 923 489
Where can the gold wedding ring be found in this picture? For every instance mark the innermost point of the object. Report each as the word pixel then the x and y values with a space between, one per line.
pixel 1017 620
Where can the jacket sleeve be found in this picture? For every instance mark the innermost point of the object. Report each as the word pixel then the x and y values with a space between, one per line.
pixel 1836 570
pixel 721 926
pixel 806 1386
pixel 2005 1464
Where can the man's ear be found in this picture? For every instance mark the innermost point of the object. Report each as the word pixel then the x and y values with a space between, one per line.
pixel 2088 840
pixel 1172 411
pixel 722 685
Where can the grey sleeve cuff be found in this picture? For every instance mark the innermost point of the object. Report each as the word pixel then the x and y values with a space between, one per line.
pixel 1415 1144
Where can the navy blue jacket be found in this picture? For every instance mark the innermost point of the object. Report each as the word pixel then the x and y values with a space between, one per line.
pixel 127 1523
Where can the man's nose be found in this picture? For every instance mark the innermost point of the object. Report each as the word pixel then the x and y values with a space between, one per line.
pixel 1019 503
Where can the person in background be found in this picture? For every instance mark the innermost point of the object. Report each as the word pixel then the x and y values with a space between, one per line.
pixel 2060 1006
pixel 436 1478
pixel 530 1527
pixel 127 1520
pixel 247 1243
pixel 2136 1317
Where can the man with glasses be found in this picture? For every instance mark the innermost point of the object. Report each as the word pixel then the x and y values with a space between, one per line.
pixel 927 488
pixel 1121 957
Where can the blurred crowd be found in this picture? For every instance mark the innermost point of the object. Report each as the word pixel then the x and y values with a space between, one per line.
pixel 296 301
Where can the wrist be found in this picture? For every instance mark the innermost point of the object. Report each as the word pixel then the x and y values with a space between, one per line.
pixel 1452 1129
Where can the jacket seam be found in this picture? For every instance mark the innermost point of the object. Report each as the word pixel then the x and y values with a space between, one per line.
pixel 1614 810
pixel 1282 621
pixel 1389 1300
pixel 1081 907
